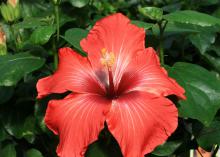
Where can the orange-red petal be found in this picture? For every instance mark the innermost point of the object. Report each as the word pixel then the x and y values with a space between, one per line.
pixel 116 35
pixel 145 74
pixel 77 120
pixel 141 121
pixel 74 73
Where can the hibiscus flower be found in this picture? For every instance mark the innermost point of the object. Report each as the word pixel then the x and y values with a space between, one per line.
pixel 120 83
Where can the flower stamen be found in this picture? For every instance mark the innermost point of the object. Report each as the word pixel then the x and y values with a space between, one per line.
pixel 108 60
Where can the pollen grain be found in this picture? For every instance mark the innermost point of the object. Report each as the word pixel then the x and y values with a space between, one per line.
pixel 108 59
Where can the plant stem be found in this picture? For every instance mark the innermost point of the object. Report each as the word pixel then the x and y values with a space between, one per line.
pixel 14 38
pixel 55 55
pixel 57 16
pixel 161 52
pixel 162 25
pixel 55 43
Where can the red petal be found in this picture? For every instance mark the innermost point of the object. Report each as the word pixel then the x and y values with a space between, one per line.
pixel 77 119
pixel 140 121
pixel 117 35
pixel 145 74
pixel 74 74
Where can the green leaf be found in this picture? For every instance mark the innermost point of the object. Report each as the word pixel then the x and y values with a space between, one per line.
pixel 65 18
pixel 192 17
pixel 14 67
pixel 74 36
pixel 100 149
pixel 36 8
pixel 202 91
pixel 96 151
pixel 33 153
pixel 213 60
pixel 204 39
pixel 3 134
pixel 167 148
pixel 217 13
pixel 153 13
pixel 18 122
pixel 28 131
pixel 142 24
pixel 30 22
pixel 209 2
pixel 208 136
pixel 8 151
pixel 176 28
pixel 41 35
pixel 5 94
pixel 78 3
pixel 172 7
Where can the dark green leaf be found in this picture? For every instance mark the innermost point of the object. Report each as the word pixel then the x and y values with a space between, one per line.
pixel 172 7
pixel 209 2
pixel 78 3
pixel 142 24
pixel 74 36
pixel 213 60
pixel 100 149
pixel 5 94
pixel 192 17
pixel 36 8
pixel 14 67
pixel 30 22
pixel 217 13
pixel 33 153
pixel 176 28
pixel 65 18
pixel 202 91
pixel 41 35
pixel 153 13
pixel 208 136
pixel 167 148
pixel 204 38
pixel 28 131
pixel 17 122
pixel 8 151
pixel 3 134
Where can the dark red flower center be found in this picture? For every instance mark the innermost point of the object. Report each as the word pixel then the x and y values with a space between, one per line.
pixel 108 60
pixel 111 89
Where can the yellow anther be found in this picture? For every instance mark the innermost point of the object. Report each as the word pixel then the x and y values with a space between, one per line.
pixel 103 50
pixel 108 59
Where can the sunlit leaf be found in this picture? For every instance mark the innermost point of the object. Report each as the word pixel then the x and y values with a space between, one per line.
pixel 41 35
pixel 192 17
pixel 153 13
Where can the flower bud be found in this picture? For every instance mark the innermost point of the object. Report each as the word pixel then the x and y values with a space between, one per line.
pixel 3 47
pixel 13 3
pixel 10 11
pixel 56 2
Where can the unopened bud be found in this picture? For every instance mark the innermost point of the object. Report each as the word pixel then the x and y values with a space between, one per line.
pixel 10 11
pixel 2 37
pixel 13 3
pixel 3 47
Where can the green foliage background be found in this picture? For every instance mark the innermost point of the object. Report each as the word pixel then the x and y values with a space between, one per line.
pixel 187 32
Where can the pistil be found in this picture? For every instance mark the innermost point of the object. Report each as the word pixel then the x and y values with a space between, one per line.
pixel 111 88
